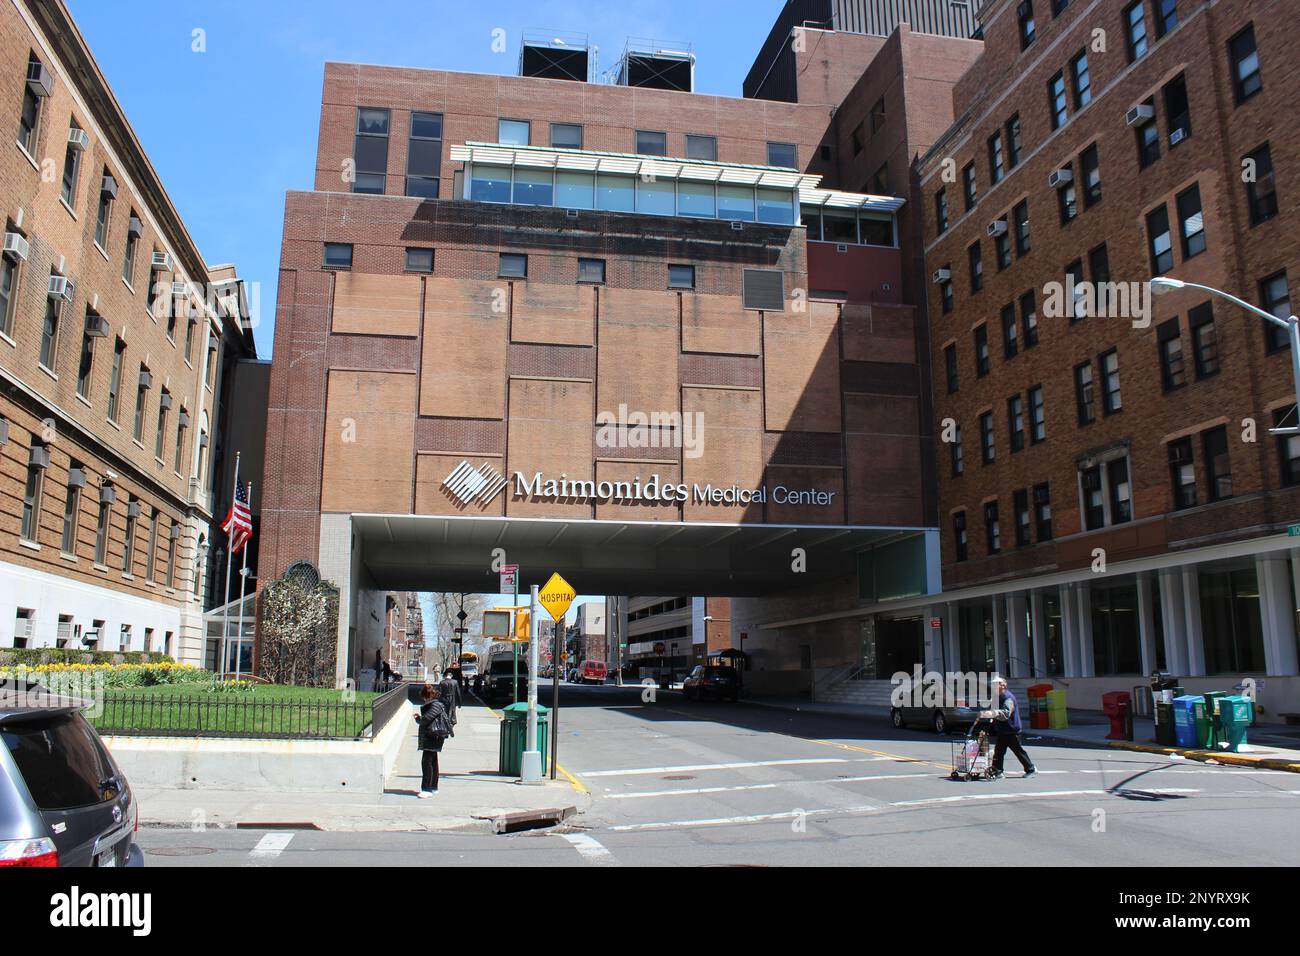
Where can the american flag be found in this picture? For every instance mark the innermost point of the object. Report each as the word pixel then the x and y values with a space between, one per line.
pixel 238 525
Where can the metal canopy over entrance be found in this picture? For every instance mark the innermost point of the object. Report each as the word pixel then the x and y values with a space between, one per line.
pixel 424 553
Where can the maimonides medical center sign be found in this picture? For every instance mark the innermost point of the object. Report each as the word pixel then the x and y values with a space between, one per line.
pixel 654 489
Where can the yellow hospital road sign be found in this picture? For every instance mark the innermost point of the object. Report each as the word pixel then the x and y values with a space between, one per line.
pixel 556 596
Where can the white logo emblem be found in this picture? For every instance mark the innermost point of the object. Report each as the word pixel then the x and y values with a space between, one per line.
pixel 467 484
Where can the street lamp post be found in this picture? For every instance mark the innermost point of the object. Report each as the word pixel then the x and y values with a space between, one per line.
pixel 1164 284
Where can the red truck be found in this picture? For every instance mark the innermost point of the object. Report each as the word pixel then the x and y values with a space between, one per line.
pixel 592 672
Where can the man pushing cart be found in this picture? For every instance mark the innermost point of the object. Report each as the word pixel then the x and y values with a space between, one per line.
pixel 971 759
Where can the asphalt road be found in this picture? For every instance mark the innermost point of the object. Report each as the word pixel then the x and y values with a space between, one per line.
pixel 714 784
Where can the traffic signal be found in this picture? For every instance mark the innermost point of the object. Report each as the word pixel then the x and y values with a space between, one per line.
pixel 521 626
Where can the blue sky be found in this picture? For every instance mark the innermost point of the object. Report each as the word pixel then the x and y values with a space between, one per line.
pixel 232 128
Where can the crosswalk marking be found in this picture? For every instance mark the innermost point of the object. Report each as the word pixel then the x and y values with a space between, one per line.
pixel 590 849
pixel 694 768
pixel 268 848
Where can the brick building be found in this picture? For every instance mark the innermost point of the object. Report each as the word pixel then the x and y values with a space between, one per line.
pixel 1100 144
pixel 111 331
pixel 493 270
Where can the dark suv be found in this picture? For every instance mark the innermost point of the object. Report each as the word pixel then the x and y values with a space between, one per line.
pixel 710 681
pixel 63 800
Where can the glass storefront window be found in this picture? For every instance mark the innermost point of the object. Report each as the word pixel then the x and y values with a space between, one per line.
pixel 575 190
pixel 839 226
pixel 533 187
pixel 697 200
pixel 1116 644
pixel 736 203
pixel 1055 664
pixel 877 229
pixel 616 193
pixel 1230 622
pixel 657 197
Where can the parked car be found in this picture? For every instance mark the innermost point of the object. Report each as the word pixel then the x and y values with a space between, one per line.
pixel 949 715
pixel 63 799
pixel 592 672
pixel 708 681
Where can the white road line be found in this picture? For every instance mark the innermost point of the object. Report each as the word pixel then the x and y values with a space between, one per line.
pixel 268 848
pixel 930 801
pixel 590 849
pixel 693 768
pixel 760 786
pixel 753 818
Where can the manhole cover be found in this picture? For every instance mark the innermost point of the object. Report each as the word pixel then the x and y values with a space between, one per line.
pixel 180 851
pixel 680 776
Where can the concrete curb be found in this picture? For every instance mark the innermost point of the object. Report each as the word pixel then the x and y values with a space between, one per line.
pixel 1218 756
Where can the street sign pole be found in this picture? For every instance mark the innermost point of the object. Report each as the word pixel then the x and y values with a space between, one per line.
pixel 555 696
pixel 514 647
pixel 531 769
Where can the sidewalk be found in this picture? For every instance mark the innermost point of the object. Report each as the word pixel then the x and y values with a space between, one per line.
pixel 1089 728
pixel 470 793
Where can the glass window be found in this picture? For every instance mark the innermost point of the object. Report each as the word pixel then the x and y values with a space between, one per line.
pixel 877 229
pixel 701 147
pixel 71 510
pixel 956 454
pixel 839 226
pixel 959 535
pixel 975 262
pixel 1110 396
pixel 1135 30
pixel 8 299
pixel 103 216
pixel 1037 415
pixel 102 527
pixel 782 154
pixel 969 186
pixel 50 332
pixel 1246 77
pixel 1016 422
pixel 1029 319
pixel 1170 343
pixel 615 193
pixel 566 136
pixel 29 117
pixel 424 155
pixel 696 199
pixel 1028 29
pixel 115 379
pixel 490 184
pixel 681 277
pixel 370 150
pixel 1094 499
pixel 992 527
pixel 1205 341
pixel 71 171
pixel 1083 393
pixel 1275 297
pixel 419 260
pixel 736 203
pixel 533 187
pixel 1090 166
pixel 950 366
pixel 128 543
pixel 338 255
pixel 1159 241
pixel 1231 622
pixel 61 761
pixel 1020 502
pixel 513 132
pixel 651 143
pixel 657 197
pixel 1177 111
pixel 1288 446
pixel 1191 222
pixel 776 206
pixel 941 211
pixel 1010 339
pixel 1166 12
pixel 997 167
pixel 1218 469
pixel 86 365
pixel 988 445
pixel 1148 139
pixel 981 350
pixel 1002 250
pixel 1182 473
pixel 513 265
pixel 1261 185
pixel 31 519
pixel 591 270
pixel 1081 81
pixel 1043 512
pixel 575 190
pixel 1014 144
pixel 1059 110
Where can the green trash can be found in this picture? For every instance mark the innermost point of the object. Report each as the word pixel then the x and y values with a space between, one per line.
pixel 514 738
pixel 1165 723
pixel 1215 735
pixel 1236 713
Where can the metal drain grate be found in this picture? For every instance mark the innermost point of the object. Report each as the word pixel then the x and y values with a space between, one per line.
pixel 180 850
pixel 679 776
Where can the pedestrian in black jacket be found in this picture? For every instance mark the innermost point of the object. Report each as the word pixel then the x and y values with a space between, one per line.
pixel 1007 727
pixel 449 693
pixel 434 730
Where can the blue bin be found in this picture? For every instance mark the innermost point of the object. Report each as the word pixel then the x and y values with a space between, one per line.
pixel 1189 721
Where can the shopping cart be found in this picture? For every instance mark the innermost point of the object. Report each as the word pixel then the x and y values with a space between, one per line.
pixel 971 757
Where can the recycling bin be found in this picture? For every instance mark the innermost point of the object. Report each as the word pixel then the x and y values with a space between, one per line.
pixel 1037 694
pixel 1118 706
pixel 1191 726
pixel 1236 713
pixel 514 738
pixel 1165 723
pixel 1056 718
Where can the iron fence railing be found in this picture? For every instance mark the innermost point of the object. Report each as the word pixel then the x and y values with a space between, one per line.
pixel 166 714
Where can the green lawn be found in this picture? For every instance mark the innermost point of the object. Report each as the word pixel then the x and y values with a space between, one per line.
pixel 269 709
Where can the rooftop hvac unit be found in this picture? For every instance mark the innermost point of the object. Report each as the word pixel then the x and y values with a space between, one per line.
pixel 16 246
pixel 942 275
pixel 109 186
pixel 134 227
pixel 1061 177
pixel 39 79
pixel 998 227
pixel 38 457
pixel 96 325
pixel 76 477
pixel 61 287
pixel 78 139
pixel 161 262
pixel 107 494
pixel 146 379
pixel 1140 114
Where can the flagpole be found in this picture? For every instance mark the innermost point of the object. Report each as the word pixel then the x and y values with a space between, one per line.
pixel 225 604
pixel 243 576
